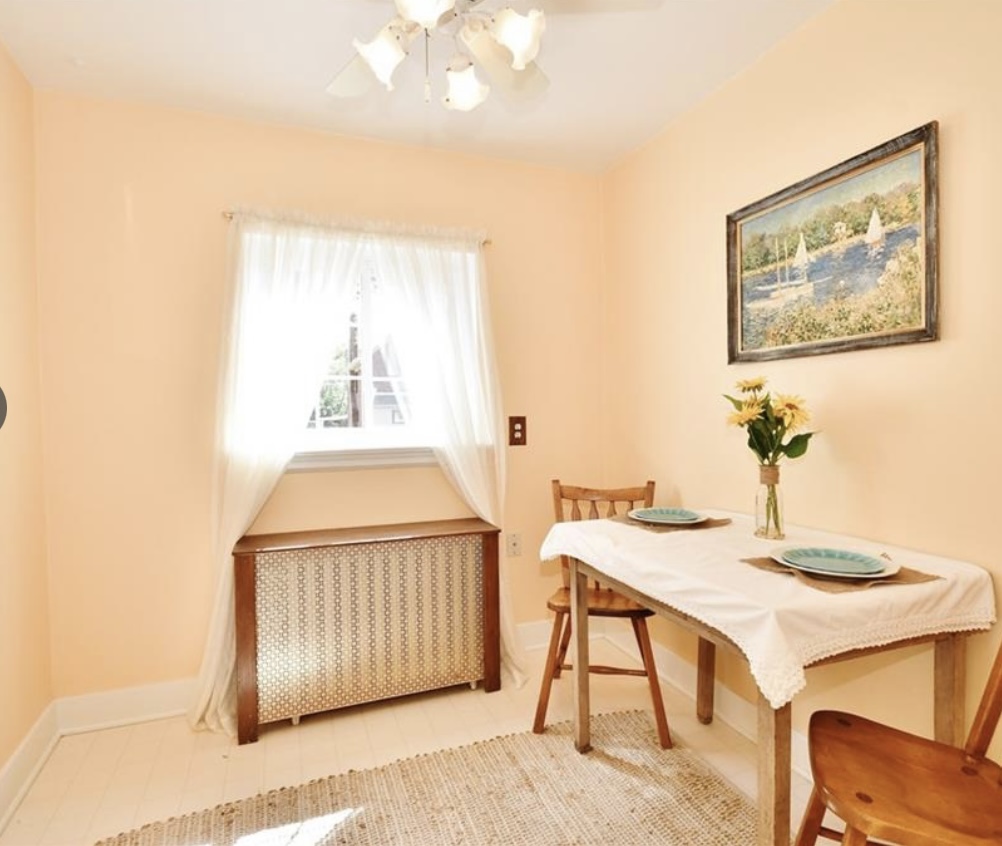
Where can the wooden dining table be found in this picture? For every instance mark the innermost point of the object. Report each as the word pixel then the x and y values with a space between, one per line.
pixel 718 580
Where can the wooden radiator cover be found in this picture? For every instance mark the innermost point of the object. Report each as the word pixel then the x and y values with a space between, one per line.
pixel 339 617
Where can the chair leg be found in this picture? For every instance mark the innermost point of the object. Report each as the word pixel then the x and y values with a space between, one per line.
pixel 565 642
pixel 810 825
pixel 854 837
pixel 647 654
pixel 549 673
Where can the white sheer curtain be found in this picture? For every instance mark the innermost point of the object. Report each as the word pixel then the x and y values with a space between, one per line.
pixel 447 357
pixel 287 280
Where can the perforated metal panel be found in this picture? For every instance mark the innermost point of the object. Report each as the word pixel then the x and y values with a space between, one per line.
pixel 342 625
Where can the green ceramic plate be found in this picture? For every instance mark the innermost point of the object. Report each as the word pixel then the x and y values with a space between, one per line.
pixel 668 516
pixel 842 563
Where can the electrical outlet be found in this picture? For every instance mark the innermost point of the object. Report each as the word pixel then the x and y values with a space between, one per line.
pixel 516 431
pixel 513 544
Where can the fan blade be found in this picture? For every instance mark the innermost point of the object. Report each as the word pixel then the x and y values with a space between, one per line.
pixel 496 62
pixel 354 80
pixel 356 77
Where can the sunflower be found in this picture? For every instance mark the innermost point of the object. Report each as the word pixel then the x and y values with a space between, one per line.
pixel 792 410
pixel 770 420
pixel 751 386
pixel 750 410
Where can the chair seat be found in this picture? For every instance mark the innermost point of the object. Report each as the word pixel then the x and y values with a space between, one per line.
pixel 602 602
pixel 895 786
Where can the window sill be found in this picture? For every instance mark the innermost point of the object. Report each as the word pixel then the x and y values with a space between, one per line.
pixel 303 462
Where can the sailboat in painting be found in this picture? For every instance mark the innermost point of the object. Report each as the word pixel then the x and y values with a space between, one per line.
pixel 874 237
pixel 796 284
pixel 801 260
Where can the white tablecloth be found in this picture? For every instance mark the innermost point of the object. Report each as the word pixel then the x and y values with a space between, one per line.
pixel 780 624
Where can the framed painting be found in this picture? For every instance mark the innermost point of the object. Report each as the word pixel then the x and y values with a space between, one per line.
pixel 844 260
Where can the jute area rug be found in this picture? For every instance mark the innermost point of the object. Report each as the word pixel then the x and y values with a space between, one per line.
pixel 518 789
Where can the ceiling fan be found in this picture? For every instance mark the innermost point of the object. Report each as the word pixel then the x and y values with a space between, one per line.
pixel 501 43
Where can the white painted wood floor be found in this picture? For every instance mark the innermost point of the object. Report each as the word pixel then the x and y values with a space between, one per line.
pixel 103 782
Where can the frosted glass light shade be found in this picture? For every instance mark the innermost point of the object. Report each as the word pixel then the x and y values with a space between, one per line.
pixel 520 34
pixel 383 54
pixel 465 91
pixel 424 12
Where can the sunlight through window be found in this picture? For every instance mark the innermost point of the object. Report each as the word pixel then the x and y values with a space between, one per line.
pixel 305 833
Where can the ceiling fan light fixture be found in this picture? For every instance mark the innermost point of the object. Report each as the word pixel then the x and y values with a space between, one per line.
pixel 465 91
pixel 520 34
pixel 503 46
pixel 383 53
pixel 425 13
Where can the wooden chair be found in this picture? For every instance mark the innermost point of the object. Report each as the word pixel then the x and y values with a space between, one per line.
pixel 602 602
pixel 891 785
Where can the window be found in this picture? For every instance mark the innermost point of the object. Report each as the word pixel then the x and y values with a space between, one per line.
pixel 363 415
pixel 364 387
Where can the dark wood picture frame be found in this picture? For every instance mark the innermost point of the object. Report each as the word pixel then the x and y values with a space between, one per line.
pixel 844 260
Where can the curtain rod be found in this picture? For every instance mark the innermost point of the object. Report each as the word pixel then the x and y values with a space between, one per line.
pixel 485 243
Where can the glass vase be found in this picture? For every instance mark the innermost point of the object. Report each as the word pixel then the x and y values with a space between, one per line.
pixel 769 517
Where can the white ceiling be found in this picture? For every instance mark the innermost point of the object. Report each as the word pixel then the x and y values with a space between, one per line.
pixel 619 70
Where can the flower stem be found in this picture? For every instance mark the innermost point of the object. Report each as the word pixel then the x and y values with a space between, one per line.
pixel 772 516
pixel 770 506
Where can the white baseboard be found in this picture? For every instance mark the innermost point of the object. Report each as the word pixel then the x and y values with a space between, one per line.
pixel 23 766
pixel 536 635
pixel 94 711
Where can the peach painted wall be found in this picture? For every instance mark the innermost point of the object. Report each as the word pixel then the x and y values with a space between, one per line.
pixel 909 450
pixel 25 681
pixel 131 267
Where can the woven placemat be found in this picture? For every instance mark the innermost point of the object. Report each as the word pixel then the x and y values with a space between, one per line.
pixel 904 576
pixel 525 789
pixel 709 523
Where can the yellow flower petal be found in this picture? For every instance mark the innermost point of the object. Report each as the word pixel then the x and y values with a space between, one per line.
pixel 749 386
pixel 751 410
pixel 792 410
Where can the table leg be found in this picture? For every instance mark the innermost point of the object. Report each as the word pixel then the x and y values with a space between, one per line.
pixel 950 674
pixel 579 626
pixel 773 774
pixel 705 678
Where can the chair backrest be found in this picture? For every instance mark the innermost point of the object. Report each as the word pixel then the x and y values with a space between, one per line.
pixel 986 719
pixel 571 502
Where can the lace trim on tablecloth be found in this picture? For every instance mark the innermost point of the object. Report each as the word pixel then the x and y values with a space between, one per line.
pixel 888 632
pixel 780 683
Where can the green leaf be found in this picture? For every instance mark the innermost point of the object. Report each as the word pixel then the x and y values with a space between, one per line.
pixel 738 404
pixel 797 445
pixel 768 436
pixel 758 442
